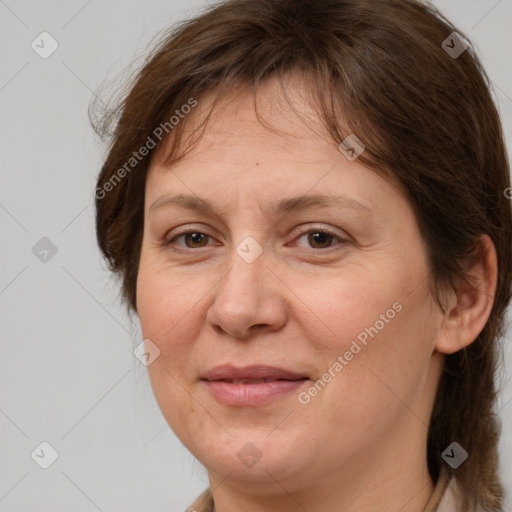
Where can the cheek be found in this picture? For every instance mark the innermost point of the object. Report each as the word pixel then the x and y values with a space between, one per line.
pixel 168 318
pixel 160 308
pixel 359 303
pixel 167 301
pixel 383 332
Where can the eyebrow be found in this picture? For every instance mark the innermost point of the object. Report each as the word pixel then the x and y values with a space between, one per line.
pixel 284 206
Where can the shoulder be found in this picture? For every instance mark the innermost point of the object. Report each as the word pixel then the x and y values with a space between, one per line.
pixel 451 499
pixel 203 503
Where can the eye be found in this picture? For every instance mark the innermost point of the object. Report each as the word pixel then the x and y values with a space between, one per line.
pixel 192 239
pixel 315 238
pixel 320 238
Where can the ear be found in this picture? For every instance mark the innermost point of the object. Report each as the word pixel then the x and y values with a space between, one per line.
pixel 469 307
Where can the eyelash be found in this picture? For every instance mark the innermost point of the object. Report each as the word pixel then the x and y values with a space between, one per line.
pixel 302 231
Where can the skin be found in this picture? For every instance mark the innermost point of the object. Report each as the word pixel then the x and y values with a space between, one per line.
pixel 360 443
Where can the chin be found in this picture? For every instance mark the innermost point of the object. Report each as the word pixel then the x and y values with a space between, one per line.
pixel 251 459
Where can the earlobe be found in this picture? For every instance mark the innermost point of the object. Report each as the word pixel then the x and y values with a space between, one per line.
pixel 470 306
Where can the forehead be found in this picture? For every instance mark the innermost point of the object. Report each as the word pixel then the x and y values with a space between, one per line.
pixel 280 143
pixel 279 114
pixel 273 138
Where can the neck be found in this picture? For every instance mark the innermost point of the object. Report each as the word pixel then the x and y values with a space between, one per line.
pixel 403 484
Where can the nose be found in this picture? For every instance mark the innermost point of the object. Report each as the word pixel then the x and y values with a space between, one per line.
pixel 248 299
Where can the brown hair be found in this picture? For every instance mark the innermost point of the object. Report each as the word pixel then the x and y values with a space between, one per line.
pixel 377 69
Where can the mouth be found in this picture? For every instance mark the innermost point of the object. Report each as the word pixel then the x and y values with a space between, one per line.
pixel 254 381
pixel 263 373
pixel 251 386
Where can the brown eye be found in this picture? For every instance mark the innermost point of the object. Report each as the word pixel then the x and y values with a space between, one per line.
pixel 194 239
pixel 320 239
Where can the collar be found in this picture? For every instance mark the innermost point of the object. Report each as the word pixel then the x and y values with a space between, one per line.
pixel 442 498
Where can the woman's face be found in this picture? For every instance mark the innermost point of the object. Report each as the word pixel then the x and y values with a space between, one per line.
pixel 306 270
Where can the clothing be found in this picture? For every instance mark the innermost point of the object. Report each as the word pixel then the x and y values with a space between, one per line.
pixel 442 499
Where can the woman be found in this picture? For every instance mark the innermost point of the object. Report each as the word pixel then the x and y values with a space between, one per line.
pixel 306 203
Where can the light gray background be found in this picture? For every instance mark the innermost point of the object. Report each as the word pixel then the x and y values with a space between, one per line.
pixel 67 372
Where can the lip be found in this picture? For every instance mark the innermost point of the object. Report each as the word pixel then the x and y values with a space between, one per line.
pixel 263 385
pixel 230 372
